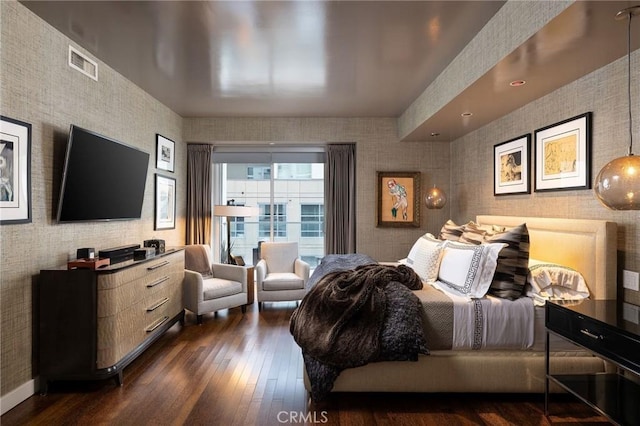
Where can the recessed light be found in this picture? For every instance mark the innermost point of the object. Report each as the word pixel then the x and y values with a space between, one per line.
pixel 434 134
pixel 466 114
pixel 517 83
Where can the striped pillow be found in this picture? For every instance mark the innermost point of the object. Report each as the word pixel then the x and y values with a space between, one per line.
pixel 473 233
pixel 513 263
pixel 451 231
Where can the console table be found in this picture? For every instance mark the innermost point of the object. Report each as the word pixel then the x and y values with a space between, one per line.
pixel 599 327
pixel 93 323
pixel 251 284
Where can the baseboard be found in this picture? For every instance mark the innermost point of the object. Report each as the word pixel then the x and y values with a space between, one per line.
pixel 16 396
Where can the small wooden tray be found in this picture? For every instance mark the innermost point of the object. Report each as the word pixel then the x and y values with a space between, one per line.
pixel 89 263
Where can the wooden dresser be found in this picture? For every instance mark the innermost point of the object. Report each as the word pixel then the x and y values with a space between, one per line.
pixel 93 323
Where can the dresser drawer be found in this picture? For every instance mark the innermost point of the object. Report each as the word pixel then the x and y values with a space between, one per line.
pixel 149 271
pixel 121 333
pixel 595 336
pixel 113 300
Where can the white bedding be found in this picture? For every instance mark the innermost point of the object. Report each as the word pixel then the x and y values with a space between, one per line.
pixel 492 323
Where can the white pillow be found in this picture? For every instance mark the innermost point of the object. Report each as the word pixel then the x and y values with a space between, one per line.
pixel 550 281
pixel 424 257
pixel 467 269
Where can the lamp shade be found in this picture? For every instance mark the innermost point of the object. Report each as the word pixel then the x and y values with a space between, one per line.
pixel 618 184
pixel 435 198
pixel 235 211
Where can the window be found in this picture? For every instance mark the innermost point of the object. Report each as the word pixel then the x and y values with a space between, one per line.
pixel 237 227
pixel 258 172
pixel 279 220
pixel 278 180
pixel 293 171
pixel 312 220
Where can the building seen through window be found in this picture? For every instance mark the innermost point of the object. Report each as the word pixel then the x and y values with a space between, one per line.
pixel 290 200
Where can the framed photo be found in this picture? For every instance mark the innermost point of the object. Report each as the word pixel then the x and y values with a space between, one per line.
pixel 511 166
pixel 165 153
pixel 398 199
pixel 15 171
pixel 563 155
pixel 165 206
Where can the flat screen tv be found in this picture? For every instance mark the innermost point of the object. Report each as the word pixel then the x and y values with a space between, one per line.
pixel 103 179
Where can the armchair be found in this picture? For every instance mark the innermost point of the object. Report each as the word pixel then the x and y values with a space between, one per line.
pixel 280 274
pixel 208 286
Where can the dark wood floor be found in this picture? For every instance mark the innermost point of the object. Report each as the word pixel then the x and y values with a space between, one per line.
pixel 238 369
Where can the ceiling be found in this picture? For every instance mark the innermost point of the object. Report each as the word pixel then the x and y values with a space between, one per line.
pixel 329 58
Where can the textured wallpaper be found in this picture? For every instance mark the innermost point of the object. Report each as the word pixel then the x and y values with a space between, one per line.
pixel 38 87
pixel 604 93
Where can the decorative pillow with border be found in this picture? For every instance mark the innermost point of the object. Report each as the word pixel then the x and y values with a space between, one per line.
pixel 513 263
pixel 424 257
pixel 467 269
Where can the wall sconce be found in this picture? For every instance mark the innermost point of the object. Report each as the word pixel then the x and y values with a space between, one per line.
pixel 435 198
pixel 617 185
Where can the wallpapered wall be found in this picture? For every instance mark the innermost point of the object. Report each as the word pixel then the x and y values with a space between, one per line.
pixel 38 87
pixel 604 93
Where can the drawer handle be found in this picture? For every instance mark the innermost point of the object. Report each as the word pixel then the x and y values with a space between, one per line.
pixel 158 265
pixel 156 324
pixel 590 334
pixel 157 305
pixel 155 283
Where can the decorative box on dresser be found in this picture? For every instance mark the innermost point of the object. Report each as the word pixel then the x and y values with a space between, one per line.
pixel 93 323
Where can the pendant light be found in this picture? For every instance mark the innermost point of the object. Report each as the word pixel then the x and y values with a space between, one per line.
pixel 435 198
pixel 617 185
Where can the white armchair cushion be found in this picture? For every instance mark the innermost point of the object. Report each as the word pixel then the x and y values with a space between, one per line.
pixel 280 257
pixel 214 288
pixel 282 281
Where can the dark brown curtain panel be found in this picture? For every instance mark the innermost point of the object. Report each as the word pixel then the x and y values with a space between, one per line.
pixel 199 205
pixel 340 199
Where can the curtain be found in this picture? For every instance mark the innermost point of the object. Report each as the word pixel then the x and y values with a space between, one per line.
pixel 199 207
pixel 340 199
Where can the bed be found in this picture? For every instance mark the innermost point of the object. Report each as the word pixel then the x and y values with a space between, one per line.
pixel 588 246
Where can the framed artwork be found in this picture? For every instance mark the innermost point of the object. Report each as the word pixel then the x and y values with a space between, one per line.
pixel 15 171
pixel 563 155
pixel 398 199
pixel 165 206
pixel 165 153
pixel 511 166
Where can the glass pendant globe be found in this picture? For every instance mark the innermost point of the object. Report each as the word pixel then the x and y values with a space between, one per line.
pixel 617 185
pixel 435 198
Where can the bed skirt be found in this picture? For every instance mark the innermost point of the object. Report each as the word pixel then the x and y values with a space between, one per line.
pixel 482 372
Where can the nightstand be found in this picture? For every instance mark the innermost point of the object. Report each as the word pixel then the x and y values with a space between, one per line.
pixel 599 327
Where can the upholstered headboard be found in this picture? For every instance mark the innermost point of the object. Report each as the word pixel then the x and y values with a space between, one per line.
pixel 588 246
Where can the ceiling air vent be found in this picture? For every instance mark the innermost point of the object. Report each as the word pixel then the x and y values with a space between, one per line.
pixel 83 64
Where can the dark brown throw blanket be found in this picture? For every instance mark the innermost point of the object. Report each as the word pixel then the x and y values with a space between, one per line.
pixel 353 317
